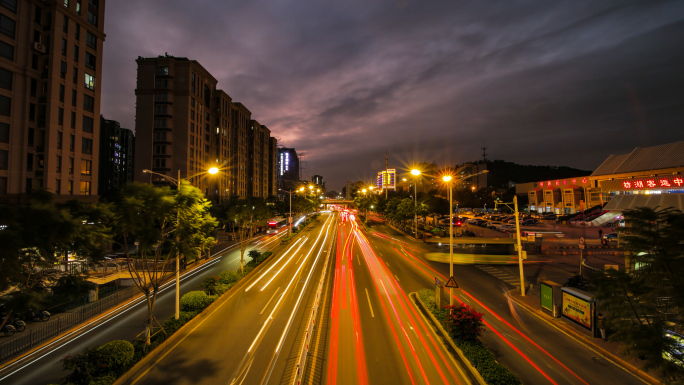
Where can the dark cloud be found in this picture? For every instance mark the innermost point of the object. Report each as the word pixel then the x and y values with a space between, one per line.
pixel 563 83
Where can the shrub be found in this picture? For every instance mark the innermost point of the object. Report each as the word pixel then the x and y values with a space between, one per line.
pixel 104 380
pixel 195 301
pixel 209 284
pixel 172 324
pixel 254 254
pixel 479 356
pixel 228 277
pixel 117 355
pixel 100 364
pixel 464 323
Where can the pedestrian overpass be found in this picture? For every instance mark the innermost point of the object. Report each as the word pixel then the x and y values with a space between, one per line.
pixel 338 202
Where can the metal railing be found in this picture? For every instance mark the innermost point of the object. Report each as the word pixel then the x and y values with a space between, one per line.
pixel 65 321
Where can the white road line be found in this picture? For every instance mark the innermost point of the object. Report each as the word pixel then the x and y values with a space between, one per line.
pixel 369 304
pixel 395 276
pixel 269 301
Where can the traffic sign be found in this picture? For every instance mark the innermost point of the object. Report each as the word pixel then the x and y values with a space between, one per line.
pixel 581 243
pixel 451 283
pixel 438 282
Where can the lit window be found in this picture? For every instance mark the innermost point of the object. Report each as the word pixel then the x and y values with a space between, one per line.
pixel 90 82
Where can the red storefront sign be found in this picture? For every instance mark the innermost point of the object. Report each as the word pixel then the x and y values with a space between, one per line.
pixel 563 182
pixel 654 183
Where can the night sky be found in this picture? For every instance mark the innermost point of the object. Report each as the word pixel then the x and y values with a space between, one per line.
pixel 537 82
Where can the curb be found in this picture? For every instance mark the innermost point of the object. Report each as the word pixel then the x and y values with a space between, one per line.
pixel 474 374
pixel 586 341
pixel 145 363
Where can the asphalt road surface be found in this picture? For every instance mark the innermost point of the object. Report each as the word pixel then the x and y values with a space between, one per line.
pixel 535 351
pixel 250 335
pixel 377 336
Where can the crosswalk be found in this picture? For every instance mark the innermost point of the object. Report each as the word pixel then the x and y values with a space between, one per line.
pixel 501 274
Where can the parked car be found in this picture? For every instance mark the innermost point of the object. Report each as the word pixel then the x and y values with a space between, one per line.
pixel 549 217
pixel 610 237
pixel 494 225
pixel 530 222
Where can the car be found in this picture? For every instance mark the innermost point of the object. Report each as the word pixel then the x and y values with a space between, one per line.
pixel 494 225
pixel 507 228
pixel 530 222
pixel 610 237
pixel 549 217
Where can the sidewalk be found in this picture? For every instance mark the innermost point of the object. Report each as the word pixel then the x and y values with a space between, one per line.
pixel 608 349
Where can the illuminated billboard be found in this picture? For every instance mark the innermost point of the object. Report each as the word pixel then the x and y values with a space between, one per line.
pixel 387 179
pixel 577 307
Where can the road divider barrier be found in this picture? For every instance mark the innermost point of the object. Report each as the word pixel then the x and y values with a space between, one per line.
pixel 311 323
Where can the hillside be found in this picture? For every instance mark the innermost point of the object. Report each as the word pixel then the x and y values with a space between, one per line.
pixel 502 172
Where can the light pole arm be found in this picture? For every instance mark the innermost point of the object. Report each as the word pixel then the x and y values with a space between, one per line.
pixel 170 179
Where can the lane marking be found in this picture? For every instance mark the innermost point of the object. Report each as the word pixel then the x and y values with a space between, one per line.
pixel 369 304
pixel 269 301
pixel 395 276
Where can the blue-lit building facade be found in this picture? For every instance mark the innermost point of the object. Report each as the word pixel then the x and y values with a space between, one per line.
pixel 287 168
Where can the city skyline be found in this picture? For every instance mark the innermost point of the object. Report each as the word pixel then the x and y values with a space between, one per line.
pixel 536 83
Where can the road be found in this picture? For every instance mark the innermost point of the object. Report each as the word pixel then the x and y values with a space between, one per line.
pixel 250 335
pixel 532 349
pixel 44 367
pixel 377 336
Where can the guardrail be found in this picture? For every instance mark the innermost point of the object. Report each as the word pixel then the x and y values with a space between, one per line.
pixel 65 321
pixel 311 323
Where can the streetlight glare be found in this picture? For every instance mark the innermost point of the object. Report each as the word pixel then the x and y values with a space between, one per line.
pixel 415 172
pixel 446 178
pixel 213 170
pixel 301 189
pixel 363 191
pixel 310 187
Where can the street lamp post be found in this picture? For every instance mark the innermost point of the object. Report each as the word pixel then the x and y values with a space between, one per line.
pixel 177 182
pixel 415 172
pixel 447 179
pixel 289 218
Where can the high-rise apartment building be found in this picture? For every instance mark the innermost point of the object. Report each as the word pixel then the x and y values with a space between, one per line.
pixel 173 121
pixel 287 168
pixel 184 123
pixel 50 74
pixel 117 149
pixel 258 167
pixel 272 153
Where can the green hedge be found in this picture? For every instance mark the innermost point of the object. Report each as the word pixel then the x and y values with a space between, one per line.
pixel 195 301
pixel 479 356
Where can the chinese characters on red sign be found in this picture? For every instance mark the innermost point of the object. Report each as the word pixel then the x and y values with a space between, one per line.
pixel 667 182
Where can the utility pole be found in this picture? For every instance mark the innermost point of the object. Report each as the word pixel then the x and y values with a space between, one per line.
pixel 521 253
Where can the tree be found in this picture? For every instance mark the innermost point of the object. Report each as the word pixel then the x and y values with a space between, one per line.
pixel 35 235
pixel 163 223
pixel 248 214
pixel 643 304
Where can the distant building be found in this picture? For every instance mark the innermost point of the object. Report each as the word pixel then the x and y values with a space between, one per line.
pixel 317 180
pixel 287 168
pixel 117 151
pixel 651 176
pixel 474 183
pixel 50 76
